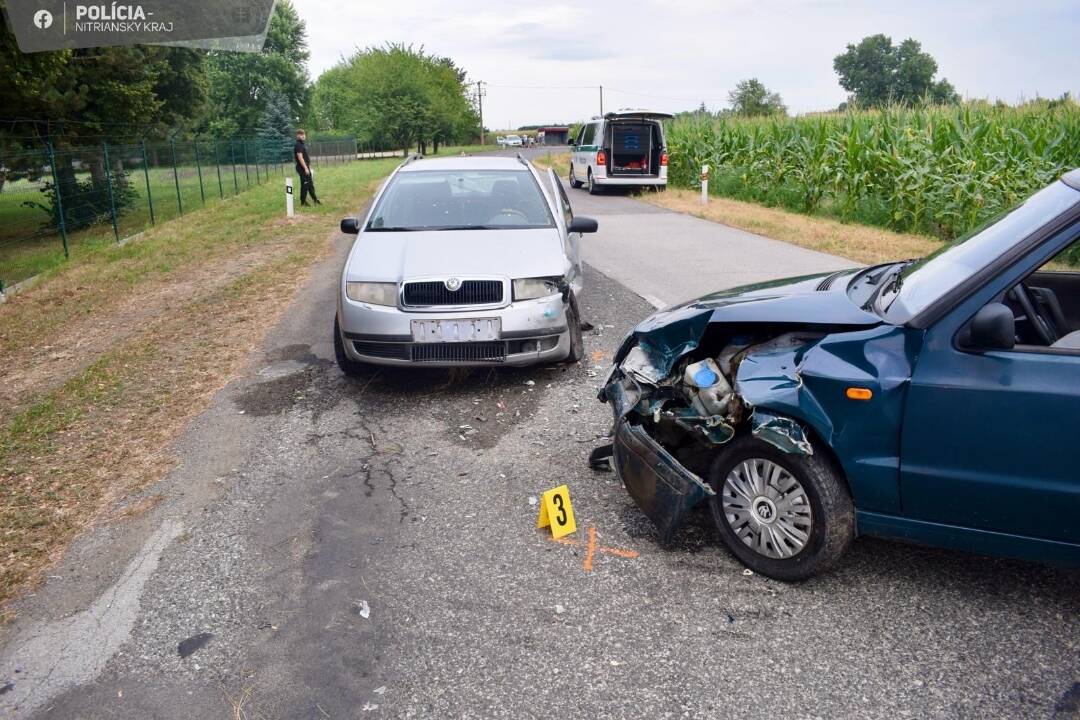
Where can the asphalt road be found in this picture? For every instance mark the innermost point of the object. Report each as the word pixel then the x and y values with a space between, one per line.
pixel 334 548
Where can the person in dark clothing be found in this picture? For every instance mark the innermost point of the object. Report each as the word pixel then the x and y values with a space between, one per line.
pixel 303 167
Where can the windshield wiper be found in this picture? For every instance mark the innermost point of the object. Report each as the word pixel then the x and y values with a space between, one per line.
pixel 890 278
pixel 391 229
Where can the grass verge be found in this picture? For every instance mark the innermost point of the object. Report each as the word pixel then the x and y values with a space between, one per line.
pixel 94 427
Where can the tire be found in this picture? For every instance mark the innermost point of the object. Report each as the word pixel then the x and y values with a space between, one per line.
pixel 350 367
pixel 594 189
pixel 574 182
pixel 821 497
pixel 577 342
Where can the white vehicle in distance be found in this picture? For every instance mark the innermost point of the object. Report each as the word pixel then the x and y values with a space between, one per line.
pixel 514 141
pixel 500 140
pixel 462 261
pixel 622 148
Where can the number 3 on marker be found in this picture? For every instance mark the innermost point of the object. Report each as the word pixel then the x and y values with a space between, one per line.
pixel 556 512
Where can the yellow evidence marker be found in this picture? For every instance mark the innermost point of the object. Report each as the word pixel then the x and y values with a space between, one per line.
pixel 556 512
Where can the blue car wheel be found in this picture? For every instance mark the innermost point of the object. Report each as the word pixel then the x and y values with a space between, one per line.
pixel 783 515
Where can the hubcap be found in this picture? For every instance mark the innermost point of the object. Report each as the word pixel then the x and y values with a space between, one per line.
pixel 767 508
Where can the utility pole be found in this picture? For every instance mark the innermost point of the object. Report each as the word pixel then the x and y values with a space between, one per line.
pixel 480 103
pixel 601 101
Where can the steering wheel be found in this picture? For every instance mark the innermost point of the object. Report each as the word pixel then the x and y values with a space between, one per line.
pixel 1042 328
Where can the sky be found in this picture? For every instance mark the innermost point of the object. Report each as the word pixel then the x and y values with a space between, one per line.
pixel 543 62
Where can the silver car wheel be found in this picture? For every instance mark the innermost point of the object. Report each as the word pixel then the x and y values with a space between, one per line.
pixel 767 508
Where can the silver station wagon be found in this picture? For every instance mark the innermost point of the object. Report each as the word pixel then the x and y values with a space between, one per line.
pixel 462 261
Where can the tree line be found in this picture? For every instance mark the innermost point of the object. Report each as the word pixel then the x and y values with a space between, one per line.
pixel 875 72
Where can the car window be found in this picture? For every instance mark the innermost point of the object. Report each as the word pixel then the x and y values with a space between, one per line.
pixel 461 200
pixel 929 279
pixel 591 133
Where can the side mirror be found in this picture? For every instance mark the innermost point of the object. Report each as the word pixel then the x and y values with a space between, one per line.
pixel 350 226
pixel 582 225
pixel 571 142
pixel 993 328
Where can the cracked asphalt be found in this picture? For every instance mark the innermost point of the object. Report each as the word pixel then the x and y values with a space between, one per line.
pixel 354 548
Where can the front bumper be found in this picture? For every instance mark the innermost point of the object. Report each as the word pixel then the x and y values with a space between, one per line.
pixel 533 331
pixel 657 482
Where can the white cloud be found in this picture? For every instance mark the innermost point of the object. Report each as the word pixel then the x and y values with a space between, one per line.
pixel 673 54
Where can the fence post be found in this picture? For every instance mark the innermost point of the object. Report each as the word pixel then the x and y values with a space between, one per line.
pixel 146 175
pixel 108 183
pixel 198 165
pixel 232 158
pixel 247 172
pixel 59 201
pixel 217 164
pixel 176 175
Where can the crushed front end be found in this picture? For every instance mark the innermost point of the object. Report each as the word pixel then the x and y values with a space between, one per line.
pixel 677 400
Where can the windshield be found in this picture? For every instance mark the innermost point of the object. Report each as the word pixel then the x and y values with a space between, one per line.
pixel 461 200
pixel 924 281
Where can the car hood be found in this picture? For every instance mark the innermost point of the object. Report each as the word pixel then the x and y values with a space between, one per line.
pixel 394 256
pixel 803 300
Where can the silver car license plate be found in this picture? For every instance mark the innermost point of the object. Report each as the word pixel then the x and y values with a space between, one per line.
pixel 444 331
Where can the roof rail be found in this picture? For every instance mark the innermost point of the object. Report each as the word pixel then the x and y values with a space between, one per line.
pixel 414 156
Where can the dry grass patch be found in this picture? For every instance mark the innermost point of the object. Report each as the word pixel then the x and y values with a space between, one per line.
pixel 552 160
pixel 860 243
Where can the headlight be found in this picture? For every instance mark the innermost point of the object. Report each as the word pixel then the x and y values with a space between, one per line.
pixel 372 292
pixel 532 288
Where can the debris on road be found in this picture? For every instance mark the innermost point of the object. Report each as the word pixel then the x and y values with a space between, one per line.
pixel 362 608
pixel 601 458
pixel 188 647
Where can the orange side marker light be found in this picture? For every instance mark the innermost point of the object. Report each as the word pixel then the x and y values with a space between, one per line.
pixel 859 393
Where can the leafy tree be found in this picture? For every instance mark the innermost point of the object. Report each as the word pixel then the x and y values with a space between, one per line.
pixel 242 83
pixel 80 97
pixel 751 98
pixel 876 73
pixel 394 97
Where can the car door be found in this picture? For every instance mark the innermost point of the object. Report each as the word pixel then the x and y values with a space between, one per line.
pixel 572 240
pixel 989 438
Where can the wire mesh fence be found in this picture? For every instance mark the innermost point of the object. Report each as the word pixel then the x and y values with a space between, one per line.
pixel 55 198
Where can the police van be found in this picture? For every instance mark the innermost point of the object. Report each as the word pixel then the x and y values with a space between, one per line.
pixel 623 148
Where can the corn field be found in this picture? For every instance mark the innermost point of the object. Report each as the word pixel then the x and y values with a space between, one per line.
pixel 939 171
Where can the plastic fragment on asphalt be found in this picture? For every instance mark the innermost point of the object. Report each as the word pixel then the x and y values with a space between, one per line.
pixel 380 690
pixel 362 608
pixel 530 383
pixel 532 500
pixel 559 609
pixel 747 572
pixel 187 647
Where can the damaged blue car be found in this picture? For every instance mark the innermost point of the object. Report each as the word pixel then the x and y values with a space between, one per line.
pixel 934 400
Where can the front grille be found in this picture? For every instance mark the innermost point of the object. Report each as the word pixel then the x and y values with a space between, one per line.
pixel 391 351
pixel 471 292
pixel 459 352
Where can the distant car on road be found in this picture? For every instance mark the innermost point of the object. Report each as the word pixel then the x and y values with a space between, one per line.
pixel 932 400
pixel 463 261
pixel 625 148
pixel 513 141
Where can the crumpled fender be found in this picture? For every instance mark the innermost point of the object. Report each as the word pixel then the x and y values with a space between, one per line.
pixel 808 385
